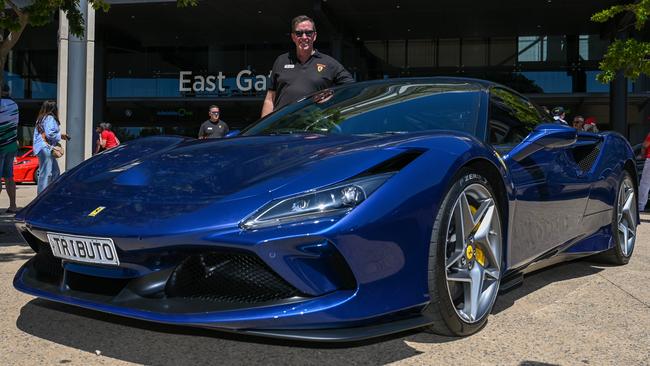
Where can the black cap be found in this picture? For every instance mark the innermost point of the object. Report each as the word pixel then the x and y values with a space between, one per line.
pixel 558 111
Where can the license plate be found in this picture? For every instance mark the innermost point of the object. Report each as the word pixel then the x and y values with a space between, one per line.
pixel 84 249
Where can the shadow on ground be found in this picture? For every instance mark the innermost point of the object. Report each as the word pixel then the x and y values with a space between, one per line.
pixel 537 280
pixel 8 234
pixel 150 343
pixel 22 254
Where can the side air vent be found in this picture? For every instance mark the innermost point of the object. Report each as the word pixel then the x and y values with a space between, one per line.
pixel 394 164
pixel 586 156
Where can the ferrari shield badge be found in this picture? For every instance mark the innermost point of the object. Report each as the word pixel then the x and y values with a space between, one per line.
pixel 320 67
pixel 96 211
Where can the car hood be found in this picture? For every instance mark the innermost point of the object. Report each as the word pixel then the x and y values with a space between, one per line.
pixel 154 182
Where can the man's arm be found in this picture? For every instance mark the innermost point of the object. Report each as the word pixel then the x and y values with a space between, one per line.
pixel 268 103
pixel 342 76
pixel 201 133
pixel 102 140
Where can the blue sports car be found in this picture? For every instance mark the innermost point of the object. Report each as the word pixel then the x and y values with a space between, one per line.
pixel 358 211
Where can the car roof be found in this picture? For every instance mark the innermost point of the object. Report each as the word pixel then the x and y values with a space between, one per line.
pixel 482 84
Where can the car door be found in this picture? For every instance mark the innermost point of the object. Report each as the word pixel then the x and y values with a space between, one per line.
pixel 550 187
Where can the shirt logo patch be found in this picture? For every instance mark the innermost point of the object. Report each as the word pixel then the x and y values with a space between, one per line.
pixel 320 67
pixel 289 66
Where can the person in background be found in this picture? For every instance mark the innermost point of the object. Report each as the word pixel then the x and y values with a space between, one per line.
pixel 9 117
pixel 578 123
pixel 559 115
pixel 107 138
pixel 214 127
pixel 590 125
pixel 644 184
pixel 302 71
pixel 97 139
pixel 47 134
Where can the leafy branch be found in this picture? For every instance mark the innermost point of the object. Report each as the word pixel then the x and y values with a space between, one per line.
pixel 628 55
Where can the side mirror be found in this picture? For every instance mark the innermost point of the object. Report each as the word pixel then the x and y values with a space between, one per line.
pixel 545 136
pixel 233 133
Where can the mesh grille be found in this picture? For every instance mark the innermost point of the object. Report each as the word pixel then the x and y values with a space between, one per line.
pixel 48 267
pixel 228 277
pixel 586 161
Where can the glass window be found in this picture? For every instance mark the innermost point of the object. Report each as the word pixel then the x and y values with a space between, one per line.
pixel 512 118
pixel 550 81
pixel 474 52
pixel 531 49
pixel 376 48
pixel 421 53
pixel 392 108
pixel 397 53
pixel 592 47
pixel 449 52
pixel 503 51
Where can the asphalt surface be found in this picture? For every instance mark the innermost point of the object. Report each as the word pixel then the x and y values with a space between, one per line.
pixel 578 313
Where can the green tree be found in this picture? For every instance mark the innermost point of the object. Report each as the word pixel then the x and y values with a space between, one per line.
pixel 17 15
pixel 630 55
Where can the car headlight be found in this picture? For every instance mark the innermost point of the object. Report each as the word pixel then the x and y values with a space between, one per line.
pixel 330 201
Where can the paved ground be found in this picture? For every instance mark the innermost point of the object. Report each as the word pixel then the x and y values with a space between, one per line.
pixel 577 313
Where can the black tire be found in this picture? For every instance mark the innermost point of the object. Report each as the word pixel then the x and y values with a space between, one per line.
pixel 616 255
pixel 36 176
pixel 441 309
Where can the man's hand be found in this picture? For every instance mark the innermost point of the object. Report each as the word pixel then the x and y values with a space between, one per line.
pixel 268 103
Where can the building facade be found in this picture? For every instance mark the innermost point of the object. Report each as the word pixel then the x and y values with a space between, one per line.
pixel 157 67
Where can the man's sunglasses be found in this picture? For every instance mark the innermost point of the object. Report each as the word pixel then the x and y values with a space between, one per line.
pixel 215 113
pixel 309 33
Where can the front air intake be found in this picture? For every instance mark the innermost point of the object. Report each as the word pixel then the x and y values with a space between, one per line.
pixel 228 277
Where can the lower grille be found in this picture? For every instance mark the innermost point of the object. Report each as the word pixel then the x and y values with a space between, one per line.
pixel 228 277
pixel 48 267
pixel 95 285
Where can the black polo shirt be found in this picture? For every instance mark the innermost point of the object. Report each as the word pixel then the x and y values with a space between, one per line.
pixel 292 80
pixel 211 130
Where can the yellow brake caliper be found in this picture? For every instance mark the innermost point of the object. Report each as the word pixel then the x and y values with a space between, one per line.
pixel 477 251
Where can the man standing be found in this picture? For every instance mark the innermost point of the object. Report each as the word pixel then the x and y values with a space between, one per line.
pixel 8 145
pixel 303 71
pixel 213 127
pixel 559 115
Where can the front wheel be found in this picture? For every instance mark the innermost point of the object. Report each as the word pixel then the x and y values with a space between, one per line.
pixel 465 257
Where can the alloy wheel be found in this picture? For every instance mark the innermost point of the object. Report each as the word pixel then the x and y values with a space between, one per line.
pixel 626 217
pixel 473 253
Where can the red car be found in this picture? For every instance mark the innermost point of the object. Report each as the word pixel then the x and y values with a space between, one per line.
pixel 25 165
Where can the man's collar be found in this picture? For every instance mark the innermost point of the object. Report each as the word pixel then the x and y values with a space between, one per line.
pixel 293 55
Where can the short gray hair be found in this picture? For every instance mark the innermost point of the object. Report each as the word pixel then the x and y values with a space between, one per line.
pixel 302 18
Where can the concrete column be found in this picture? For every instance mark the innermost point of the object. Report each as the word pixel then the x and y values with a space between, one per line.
pixel 90 82
pixel 62 78
pixel 76 116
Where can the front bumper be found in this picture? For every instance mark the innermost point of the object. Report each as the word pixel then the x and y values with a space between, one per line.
pixel 278 310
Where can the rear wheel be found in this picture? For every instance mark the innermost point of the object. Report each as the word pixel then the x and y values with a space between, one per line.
pixel 36 176
pixel 465 257
pixel 624 223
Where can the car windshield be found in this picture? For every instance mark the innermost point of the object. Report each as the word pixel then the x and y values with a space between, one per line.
pixel 378 108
